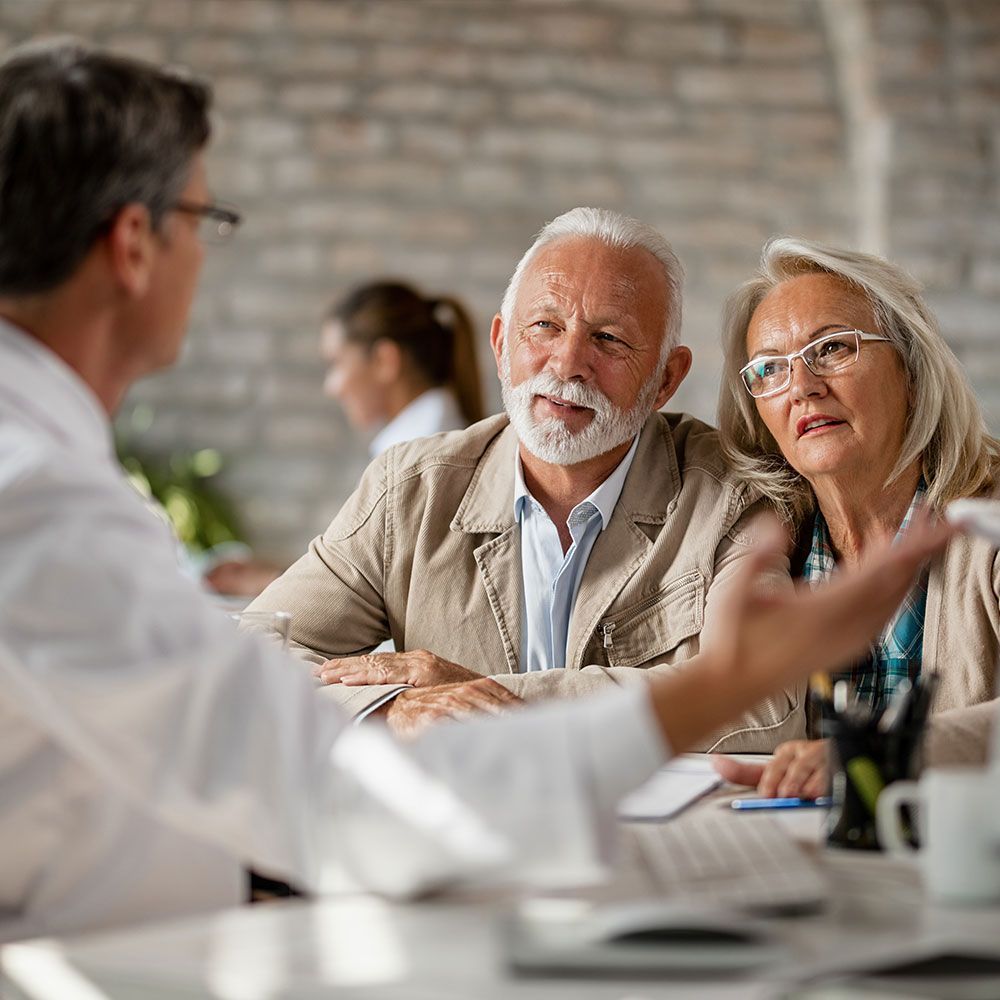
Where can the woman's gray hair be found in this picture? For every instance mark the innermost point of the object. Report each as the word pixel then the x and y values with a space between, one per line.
pixel 616 230
pixel 946 429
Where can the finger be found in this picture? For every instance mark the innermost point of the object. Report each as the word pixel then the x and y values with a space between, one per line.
pixel 737 772
pixel 324 669
pixel 338 675
pixel 818 784
pixel 773 774
pixel 800 770
pixel 338 666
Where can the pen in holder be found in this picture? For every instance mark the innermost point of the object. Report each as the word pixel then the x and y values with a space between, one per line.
pixel 869 751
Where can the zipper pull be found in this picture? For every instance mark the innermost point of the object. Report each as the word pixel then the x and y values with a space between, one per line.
pixel 606 631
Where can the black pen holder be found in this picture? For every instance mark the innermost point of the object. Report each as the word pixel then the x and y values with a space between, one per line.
pixel 863 760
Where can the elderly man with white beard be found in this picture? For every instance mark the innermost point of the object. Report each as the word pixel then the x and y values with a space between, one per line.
pixel 581 540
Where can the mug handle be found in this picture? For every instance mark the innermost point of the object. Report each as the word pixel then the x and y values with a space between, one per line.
pixel 887 821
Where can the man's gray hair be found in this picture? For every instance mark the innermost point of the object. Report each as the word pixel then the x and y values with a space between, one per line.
pixel 616 230
pixel 946 430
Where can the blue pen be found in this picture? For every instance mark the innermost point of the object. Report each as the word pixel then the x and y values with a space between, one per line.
pixel 823 802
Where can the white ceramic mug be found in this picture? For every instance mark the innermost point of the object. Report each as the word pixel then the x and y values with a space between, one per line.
pixel 958 820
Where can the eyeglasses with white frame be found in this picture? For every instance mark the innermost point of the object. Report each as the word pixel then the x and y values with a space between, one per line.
pixel 770 374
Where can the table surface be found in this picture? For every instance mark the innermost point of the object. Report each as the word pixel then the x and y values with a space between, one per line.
pixel 363 946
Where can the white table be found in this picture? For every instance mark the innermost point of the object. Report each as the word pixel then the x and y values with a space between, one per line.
pixel 361 946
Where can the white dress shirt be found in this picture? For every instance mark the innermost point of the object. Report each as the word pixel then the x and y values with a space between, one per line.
pixel 430 413
pixel 551 579
pixel 148 751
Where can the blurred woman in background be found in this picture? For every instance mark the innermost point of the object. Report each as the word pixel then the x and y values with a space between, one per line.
pixel 401 364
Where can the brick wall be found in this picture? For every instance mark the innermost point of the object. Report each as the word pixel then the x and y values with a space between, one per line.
pixel 940 85
pixel 429 139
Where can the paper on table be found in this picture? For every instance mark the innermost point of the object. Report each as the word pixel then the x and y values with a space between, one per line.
pixel 673 788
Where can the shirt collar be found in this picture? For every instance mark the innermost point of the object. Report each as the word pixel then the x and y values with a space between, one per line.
pixel 604 498
pixel 432 411
pixel 47 393
pixel 820 562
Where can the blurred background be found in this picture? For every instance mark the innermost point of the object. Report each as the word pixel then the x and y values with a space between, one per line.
pixel 429 140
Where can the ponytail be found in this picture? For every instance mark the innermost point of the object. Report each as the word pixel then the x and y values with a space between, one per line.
pixel 464 381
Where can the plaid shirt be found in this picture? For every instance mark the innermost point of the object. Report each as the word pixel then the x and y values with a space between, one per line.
pixel 898 651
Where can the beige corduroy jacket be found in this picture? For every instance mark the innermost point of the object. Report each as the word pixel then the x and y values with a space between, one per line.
pixel 426 552
pixel 962 645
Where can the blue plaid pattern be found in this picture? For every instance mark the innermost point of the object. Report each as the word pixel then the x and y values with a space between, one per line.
pixel 898 651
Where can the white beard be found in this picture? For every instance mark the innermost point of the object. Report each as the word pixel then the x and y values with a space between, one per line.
pixel 551 440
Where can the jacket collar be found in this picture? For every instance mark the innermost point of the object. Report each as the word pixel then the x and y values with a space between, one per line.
pixel 488 504
pixel 651 486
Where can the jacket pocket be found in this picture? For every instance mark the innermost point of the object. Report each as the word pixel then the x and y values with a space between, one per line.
pixel 645 631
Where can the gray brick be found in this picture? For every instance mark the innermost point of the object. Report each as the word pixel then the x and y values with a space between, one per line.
pixel 435 61
pixel 771 43
pixel 99 15
pixel 773 87
pixel 263 134
pixel 241 15
pixel 138 46
pixel 314 17
pixel 239 91
pixel 173 15
pixel 432 100
pixel 210 55
pixel 673 40
pixel 349 135
pixel 317 98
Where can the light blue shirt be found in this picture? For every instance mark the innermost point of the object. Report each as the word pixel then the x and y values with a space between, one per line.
pixel 551 580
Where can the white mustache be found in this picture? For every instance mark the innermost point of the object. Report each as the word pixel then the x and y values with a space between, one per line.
pixel 547 384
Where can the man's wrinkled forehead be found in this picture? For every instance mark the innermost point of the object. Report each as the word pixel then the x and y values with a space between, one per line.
pixel 603 277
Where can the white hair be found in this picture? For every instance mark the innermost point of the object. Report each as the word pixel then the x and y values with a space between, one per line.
pixel 616 230
pixel 946 429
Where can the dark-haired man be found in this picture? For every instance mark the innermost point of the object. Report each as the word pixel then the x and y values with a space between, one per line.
pixel 148 752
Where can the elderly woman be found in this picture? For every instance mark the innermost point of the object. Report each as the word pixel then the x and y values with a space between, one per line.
pixel 842 403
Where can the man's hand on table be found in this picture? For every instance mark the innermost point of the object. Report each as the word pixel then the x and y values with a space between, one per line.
pixel 418 668
pixel 411 711
pixel 798 768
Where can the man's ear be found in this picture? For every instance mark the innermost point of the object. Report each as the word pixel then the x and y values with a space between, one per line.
pixel 497 334
pixel 677 367
pixel 131 249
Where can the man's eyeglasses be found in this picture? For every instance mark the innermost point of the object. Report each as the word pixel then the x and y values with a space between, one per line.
pixel 771 374
pixel 216 224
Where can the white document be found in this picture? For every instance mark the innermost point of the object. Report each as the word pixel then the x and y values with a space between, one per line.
pixel 673 788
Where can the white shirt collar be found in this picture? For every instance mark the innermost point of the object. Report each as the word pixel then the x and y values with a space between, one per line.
pixel 604 498
pixel 431 412
pixel 47 393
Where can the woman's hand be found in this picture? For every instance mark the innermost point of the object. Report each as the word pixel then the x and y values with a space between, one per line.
pixel 798 769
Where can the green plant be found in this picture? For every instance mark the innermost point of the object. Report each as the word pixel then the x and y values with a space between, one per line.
pixel 182 484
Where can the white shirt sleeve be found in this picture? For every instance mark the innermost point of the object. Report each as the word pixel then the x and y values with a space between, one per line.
pixel 153 699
